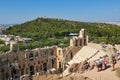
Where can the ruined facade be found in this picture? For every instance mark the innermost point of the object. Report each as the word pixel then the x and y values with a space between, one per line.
pixel 76 43
pixel 31 62
pixel 15 65
pixel 81 40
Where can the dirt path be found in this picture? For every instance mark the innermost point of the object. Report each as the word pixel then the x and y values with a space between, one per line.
pixel 102 75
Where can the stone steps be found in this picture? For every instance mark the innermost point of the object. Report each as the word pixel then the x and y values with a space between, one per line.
pixel 83 54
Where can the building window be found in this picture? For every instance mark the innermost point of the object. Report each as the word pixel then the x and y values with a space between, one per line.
pixel 45 66
pixel 80 42
pixel 52 63
pixel 19 66
pixel 38 62
pixel 37 69
pixel 28 64
pixel 71 55
pixel 31 56
pixel 14 71
pixel 22 71
pixel 2 70
pixel 26 70
pixel 59 52
pixel 7 75
pixel 76 42
pixel 15 58
pixel 84 41
pixel 31 70
pixel 44 54
pixel 36 55
pixel 23 65
pixel 51 52
pixel 60 65
pixel 40 67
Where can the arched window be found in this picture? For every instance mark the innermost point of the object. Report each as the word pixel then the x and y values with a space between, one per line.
pixel 60 66
pixel 40 67
pixel 26 70
pixel 36 54
pixel 51 52
pixel 80 42
pixel 52 63
pixel 15 58
pixel 37 69
pixel 31 56
pixel 45 66
pixel 71 55
pixel 76 42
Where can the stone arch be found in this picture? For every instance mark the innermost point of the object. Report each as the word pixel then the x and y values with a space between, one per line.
pixel 53 63
pixel 45 66
pixel 31 70
pixel 71 55
pixel 60 66
pixel 31 55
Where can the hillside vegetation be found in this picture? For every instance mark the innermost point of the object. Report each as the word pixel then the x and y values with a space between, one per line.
pixel 49 31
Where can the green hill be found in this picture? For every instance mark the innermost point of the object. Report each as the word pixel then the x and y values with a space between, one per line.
pixel 43 28
pixel 50 31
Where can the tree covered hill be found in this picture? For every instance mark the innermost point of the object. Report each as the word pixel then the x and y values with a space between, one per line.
pixel 43 28
pixel 50 31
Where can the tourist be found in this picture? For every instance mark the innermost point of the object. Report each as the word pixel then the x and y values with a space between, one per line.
pixel 104 62
pixel 117 55
pixel 101 61
pixel 99 64
pixel 113 63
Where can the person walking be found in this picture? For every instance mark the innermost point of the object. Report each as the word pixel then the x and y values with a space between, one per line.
pixel 105 61
pixel 99 64
pixel 114 61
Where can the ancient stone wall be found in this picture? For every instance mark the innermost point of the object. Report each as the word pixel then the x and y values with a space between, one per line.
pixel 76 43
pixel 31 62
pixel 81 40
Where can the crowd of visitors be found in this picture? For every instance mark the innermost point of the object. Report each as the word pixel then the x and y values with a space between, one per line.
pixel 102 62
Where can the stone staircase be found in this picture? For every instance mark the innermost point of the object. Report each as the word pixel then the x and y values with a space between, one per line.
pixel 86 53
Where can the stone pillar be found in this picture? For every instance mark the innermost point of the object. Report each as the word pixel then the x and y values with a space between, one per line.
pixel 83 35
pixel 71 42
pixel 87 40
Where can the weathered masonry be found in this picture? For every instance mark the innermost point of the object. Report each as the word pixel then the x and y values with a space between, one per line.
pixel 16 64
pixel 76 43
pixel 81 40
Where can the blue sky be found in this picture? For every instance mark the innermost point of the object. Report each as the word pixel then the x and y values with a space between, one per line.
pixel 19 11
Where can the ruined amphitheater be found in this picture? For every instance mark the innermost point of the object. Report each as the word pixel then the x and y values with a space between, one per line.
pixel 79 51
pixel 78 57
